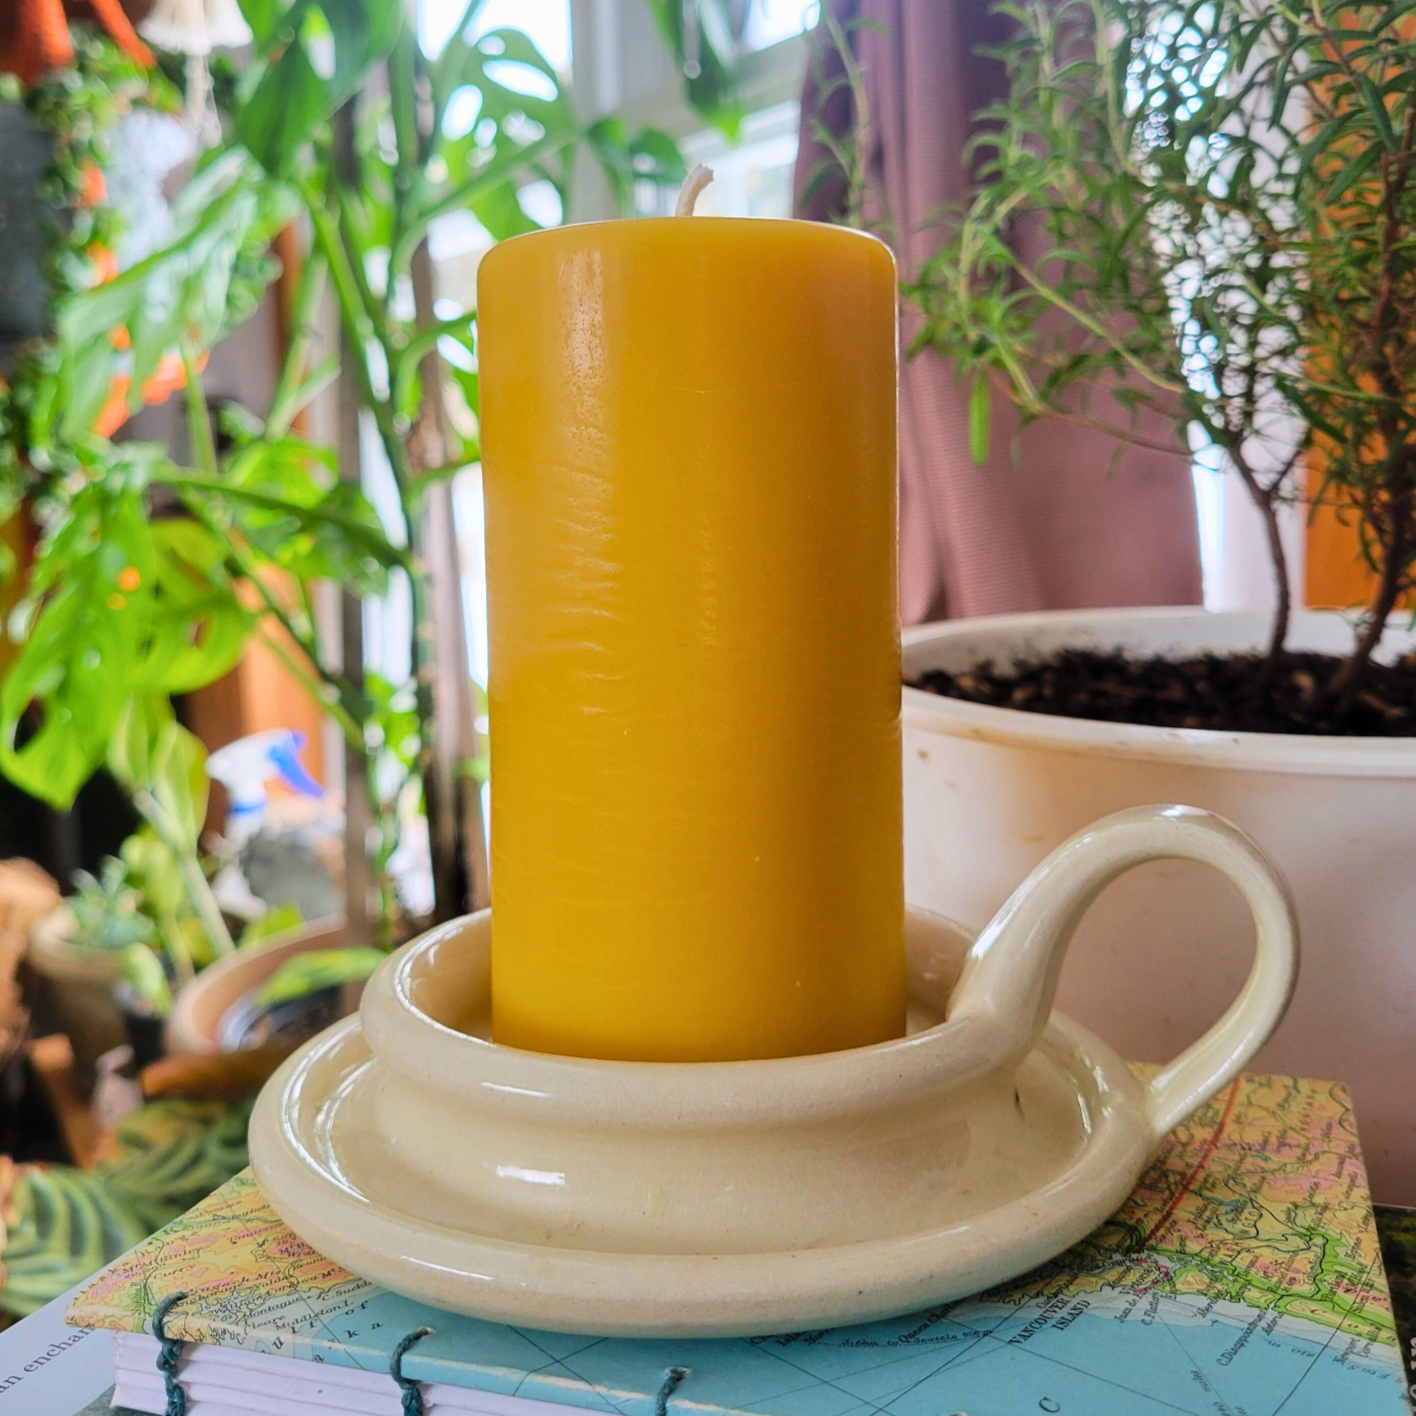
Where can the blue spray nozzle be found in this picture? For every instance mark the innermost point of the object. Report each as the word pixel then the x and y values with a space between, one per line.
pixel 246 765
pixel 285 757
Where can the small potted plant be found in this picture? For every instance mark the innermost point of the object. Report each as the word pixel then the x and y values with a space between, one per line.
pixel 81 951
pixel 110 958
pixel 1200 219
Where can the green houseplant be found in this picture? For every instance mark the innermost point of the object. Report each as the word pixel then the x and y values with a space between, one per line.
pixel 1196 221
pixel 341 122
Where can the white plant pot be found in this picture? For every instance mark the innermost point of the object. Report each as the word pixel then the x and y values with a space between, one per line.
pixel 990 791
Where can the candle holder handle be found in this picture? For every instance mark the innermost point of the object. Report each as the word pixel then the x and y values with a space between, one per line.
pixel 1009 978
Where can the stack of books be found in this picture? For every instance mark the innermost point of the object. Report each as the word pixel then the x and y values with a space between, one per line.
pixel 1243 1275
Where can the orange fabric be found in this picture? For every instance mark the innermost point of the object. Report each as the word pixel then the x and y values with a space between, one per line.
pixel 169 376
pixel 109 14
pixel 115 411
pixel 1336 574
pixel 35 39
pixel 95 185
pixel 105 263
pixel 34 35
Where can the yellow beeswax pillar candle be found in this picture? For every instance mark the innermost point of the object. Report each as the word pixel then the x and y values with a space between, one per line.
pixel 688 435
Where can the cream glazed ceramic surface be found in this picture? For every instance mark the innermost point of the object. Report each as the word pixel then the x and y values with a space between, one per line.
pixel 746 1197
pixel 990 791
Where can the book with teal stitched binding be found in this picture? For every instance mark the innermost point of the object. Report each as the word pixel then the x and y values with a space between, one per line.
pixel 1243 1275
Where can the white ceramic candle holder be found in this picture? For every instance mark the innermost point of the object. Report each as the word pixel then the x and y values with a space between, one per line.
pixel 708 1199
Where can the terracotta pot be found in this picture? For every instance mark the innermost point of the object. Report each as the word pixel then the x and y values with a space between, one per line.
pixel 990 791
pixel 75 994
pixel 203 1006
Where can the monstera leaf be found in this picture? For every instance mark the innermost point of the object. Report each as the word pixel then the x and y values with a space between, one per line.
pixel 315 53
pixel 188 293
pixel 89 617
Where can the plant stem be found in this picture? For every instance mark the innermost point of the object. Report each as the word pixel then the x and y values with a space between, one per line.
pixel 207 909
pixel 342 710
pixel 1265 498
pixel 198 415
pixel 459 198
pixel 1345 683
pixel 199 891
pixel 283 407
pixel 403 101
pixel 316 683
pixel 456 744
pixel 176 947
pixel 364 316
pixel 360 807
pixel 276 503
pixel 425 445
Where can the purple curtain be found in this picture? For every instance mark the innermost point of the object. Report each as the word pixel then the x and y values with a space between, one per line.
pixel 1055 520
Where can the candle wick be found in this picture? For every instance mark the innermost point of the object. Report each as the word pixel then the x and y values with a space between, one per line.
pixel 698 178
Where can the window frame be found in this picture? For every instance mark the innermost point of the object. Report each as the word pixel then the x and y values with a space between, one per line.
pixel 620 64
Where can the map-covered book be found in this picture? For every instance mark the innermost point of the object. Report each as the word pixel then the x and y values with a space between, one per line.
pixel 1242 1278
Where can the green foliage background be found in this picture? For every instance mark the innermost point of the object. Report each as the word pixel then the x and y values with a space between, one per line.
pixel 1197 218
pixel 341 123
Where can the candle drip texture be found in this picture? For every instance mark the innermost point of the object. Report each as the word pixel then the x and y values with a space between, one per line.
pixel 688 433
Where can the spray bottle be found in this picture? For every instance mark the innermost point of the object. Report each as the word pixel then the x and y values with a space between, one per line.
pixel 245 766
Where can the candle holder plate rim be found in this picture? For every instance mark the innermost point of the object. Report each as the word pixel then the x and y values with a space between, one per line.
pixel 460 1064
pixel 296 1152
pixel 636 1294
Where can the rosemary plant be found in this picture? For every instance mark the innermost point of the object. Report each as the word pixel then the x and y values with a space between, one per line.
pixel 1195 225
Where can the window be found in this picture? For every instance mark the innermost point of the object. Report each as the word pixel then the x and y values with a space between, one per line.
pixel 623 66
pixel 752 177
pixel 457 243
pixel 771 21
pixel 547 22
